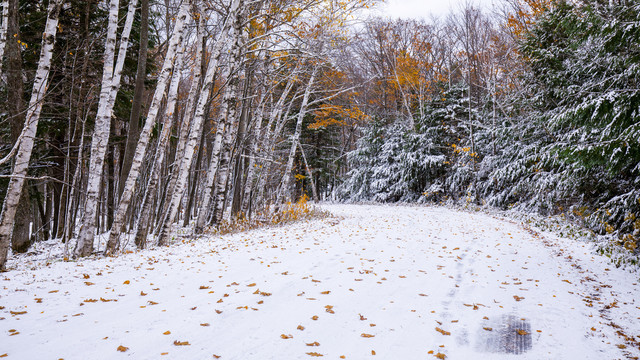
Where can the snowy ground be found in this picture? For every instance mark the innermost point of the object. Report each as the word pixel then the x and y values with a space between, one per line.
pixel 375 282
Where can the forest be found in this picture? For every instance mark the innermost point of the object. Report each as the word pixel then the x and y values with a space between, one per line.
pixel 134 118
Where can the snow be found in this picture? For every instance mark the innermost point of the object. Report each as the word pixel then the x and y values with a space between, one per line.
pixel 397 273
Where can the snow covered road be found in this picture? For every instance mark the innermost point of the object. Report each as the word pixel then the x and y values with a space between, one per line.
pixel 387 282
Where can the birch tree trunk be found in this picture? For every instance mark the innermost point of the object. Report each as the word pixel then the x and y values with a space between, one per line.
pixel 3 30
pixel 161 151
pixel 25 149
pixel 295 138
pixel 99 142
pixel 196 128
pixel 133 132
pixel 175 46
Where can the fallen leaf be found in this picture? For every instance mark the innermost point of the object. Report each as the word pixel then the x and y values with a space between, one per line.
pixel 300 327
pixel 126 282
pixel 315 343
pixel 88 283
pixel 205 324
pixel 143 293
pixel 216 356
pixel 314 317
pixel 252 284
pixel 181 343
pixel 283 336
pixel 443 332
pixel 518 298
pixel 86 276
pixel 373 352
pixel 122 348
pixel 17 312
pixel 522 332
pixel 366 335
pixel 202 287
pixel 314 354
pixel 166 332
pixel 325 292
pixel 488 328
pixel 441 356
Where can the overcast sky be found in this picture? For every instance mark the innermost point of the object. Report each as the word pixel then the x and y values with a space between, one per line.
pixel 423 8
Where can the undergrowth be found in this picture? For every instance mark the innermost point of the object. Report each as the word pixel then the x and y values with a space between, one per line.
pixel 271 215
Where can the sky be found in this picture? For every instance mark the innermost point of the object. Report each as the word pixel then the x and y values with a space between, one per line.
pixel 416 9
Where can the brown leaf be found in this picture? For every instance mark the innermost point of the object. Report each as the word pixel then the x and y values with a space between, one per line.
pixel 218 311
pixel 252 284
pixel 216 356
pixel 315 343
pixel 440 356
pixel 364 335
pixel 314 317
pixel 488 328
pixel 314 354
pixel 205 324
pixel 122 348
pixel 143 293
pixel 443 332
pixel 181 343
pixel 283 336
pixel 300 327
pixel 86 276
pixel 88 283
pixel 126 282
pixel 17 312
pixel 166 332
pixel 202 287
pixel 325 292
pixel 518 298
pixel 522 332
pixel 373 352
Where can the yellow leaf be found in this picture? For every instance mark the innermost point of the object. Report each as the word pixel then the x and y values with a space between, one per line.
pixel 325 292
pixel 126 282
pixel 441 356
pixel 122 348
pixel 488 328
pixel 166 332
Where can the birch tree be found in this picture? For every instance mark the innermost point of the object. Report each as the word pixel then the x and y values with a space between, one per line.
pixel 196 126
pixel 27 137
pixel 99 143
pixel 175 46
pixel 3 30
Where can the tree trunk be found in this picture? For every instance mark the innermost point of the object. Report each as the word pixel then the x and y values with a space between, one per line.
pixel 100 140
pixel 23 156
pixel 3 30
pixel 175 46
pixel 133 134
pixel 154 177
pixel 295 138
pixel 196 128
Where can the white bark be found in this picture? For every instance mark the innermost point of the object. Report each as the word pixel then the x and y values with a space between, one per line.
pixel 175 46
pixel 3 30
pixel 23 156
pixel 196 128
pixel 161 151
pixel 100 140
pixel 295 139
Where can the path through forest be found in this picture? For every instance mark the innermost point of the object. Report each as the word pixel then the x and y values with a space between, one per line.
pixel 387 282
